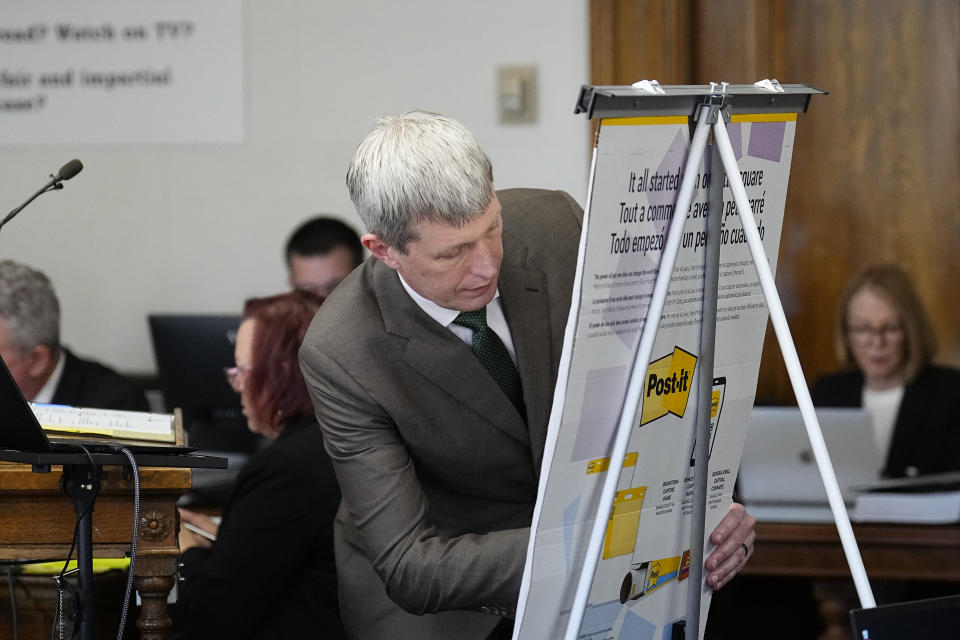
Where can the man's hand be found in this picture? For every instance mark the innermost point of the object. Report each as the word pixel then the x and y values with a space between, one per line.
pixel 734 537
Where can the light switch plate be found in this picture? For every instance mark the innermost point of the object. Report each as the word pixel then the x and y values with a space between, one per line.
pixel 517 94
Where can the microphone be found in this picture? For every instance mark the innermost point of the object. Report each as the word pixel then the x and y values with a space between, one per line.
pixel 66 172
pixel 69 170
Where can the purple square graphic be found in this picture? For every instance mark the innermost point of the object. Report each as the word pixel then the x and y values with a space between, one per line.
pixel 637 628
pixel 736 139
pixel 570 519
pixel 599 617
pixel 600 414
pixel 766 140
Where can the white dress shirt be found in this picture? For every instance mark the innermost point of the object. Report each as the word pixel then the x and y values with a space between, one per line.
pixel 45 395
pixel 495 318
pixel 883 407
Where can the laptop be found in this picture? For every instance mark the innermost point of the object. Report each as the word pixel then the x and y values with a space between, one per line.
pixel 917 620
pixel 21 431
pixel 779 479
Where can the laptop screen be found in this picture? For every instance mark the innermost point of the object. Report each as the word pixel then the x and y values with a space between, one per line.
pixel 918 620
pixel 778 465
pixel 19 428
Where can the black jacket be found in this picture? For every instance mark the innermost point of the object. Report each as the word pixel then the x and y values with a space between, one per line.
pixel 926 436
pixel 86 383
pixel 271 573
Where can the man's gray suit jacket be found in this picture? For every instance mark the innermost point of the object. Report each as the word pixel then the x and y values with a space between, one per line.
pixel 437 468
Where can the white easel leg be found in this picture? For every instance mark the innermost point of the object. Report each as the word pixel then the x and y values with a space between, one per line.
pixel 789 351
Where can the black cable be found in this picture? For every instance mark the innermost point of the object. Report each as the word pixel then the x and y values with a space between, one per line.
pixel 13 602
pixel 59 578
pixel 86 511
pixel 133 540
pixel 56 610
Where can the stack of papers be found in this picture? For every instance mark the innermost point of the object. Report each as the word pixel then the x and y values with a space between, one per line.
pixel 123 425
pixel 932 499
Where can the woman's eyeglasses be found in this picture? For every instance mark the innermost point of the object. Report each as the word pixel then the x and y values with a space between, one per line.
pixel 863 333
pixel 235 375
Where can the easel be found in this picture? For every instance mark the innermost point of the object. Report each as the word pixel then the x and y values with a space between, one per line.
pixel 712 107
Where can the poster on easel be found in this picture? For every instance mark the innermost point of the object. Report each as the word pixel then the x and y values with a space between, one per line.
pixel 639 588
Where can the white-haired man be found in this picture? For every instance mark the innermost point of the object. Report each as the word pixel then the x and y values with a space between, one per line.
pixel 432 369
pixel 45 371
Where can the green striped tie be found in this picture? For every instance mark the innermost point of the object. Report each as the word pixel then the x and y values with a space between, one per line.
pixel 495 358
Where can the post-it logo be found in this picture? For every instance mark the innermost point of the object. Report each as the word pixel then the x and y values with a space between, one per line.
pixel 667 386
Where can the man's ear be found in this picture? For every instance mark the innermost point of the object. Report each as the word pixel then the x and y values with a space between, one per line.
pixel 41 362
pixel 380 249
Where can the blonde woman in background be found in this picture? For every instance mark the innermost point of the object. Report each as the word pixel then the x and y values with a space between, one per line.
pixel 884 337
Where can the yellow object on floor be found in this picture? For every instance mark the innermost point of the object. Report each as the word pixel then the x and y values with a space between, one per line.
pixel 100 565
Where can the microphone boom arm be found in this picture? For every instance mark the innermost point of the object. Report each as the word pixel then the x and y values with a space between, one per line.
pixel 66 172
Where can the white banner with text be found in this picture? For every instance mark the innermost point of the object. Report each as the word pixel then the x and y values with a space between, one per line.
pixel 121 72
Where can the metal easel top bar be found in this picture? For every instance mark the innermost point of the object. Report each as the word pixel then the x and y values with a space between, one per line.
pixel 626 101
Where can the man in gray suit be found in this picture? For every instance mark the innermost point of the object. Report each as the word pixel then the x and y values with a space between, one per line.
pixel 436 419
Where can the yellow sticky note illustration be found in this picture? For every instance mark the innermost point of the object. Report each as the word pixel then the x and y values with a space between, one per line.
pixel 602 464
pixel 624 522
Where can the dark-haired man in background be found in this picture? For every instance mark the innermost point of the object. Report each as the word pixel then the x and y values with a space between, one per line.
pixel 320 253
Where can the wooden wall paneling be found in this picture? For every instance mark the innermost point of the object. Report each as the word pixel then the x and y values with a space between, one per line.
pixel 639 40
pixel 631 41
pixel 876 165
pixel 732 41
pixel 602 45
pixel 874 177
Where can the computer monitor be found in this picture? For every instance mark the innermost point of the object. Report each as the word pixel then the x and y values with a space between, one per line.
pixel 917 620
pixel 192 351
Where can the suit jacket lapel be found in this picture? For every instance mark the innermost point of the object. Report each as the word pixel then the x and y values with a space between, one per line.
pixel 437 354
pixel 908 430
pixel 523 294
pixel 66 391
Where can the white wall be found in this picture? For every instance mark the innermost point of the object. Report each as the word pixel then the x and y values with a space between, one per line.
pixel 201 228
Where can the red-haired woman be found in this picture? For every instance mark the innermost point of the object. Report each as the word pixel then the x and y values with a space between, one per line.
pixel 270 573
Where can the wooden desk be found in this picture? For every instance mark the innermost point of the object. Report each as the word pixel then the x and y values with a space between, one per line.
pixel 889 552
pixel 38 520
